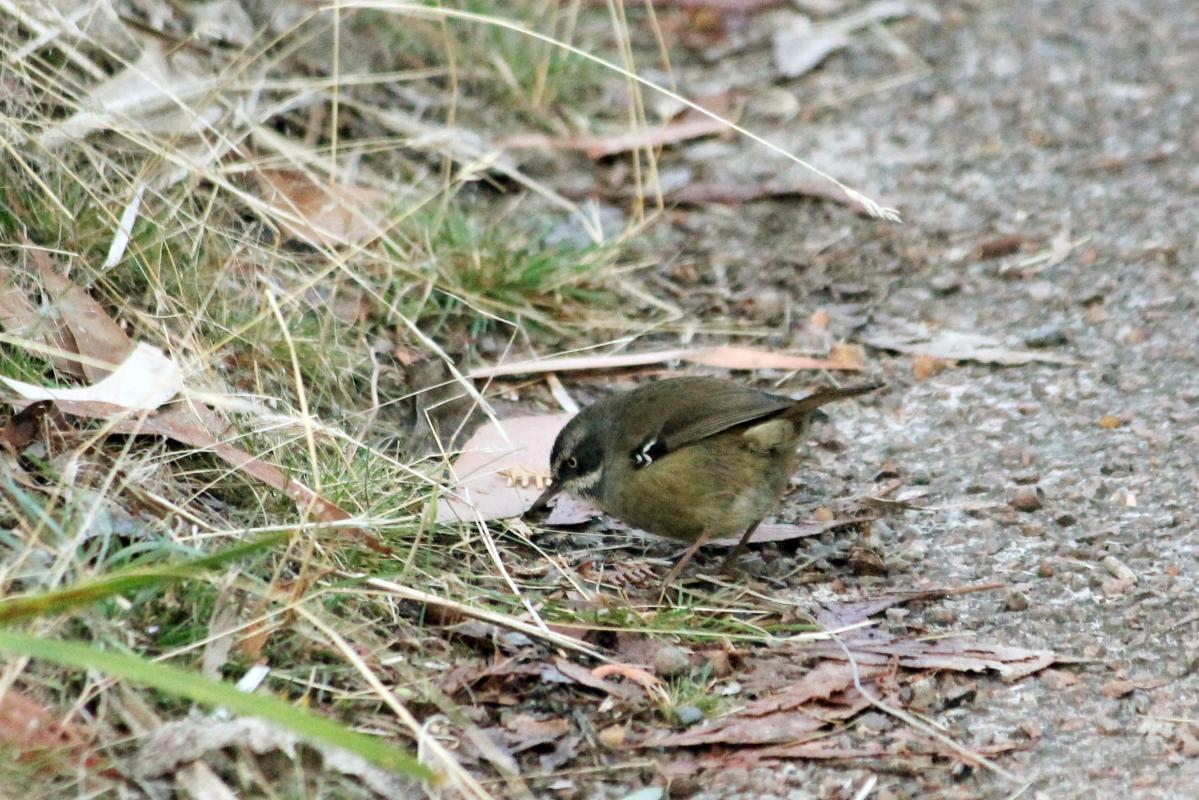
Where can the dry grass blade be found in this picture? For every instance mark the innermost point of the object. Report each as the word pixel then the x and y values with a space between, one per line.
pixel 870 206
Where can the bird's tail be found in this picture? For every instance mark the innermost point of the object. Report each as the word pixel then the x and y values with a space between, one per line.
pixel 806 405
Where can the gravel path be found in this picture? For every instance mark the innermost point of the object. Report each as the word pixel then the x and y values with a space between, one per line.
pixel 1074 127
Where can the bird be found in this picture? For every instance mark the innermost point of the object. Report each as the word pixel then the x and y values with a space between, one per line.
pixel 688 458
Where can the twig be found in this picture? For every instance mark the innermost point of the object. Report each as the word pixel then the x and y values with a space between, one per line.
pixel 910 720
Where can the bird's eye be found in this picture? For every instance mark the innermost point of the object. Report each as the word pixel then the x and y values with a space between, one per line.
pixel 572 462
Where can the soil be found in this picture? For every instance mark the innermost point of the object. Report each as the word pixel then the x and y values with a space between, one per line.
pixel 1066 130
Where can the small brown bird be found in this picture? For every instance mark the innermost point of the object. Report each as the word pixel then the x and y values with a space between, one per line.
pixel 687 458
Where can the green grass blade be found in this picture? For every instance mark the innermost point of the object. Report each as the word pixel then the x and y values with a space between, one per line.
pixel 129 579
pixel 194 687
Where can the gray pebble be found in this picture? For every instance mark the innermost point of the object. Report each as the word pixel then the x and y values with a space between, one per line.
pixel 1050 335
pixel 1015 601
pixel 671 661
pixel 688 715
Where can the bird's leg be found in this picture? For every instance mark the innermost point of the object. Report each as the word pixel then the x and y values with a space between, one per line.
pixel 732 557
pixel 677 569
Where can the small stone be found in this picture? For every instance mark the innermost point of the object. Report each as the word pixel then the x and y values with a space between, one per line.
pixel 1041 291
pixel 1028 498
pixel 688 715
pixel 767 303
pixel 1031 729
pixel 1050 335
pixel 671 661
pixel 1118 569
pixel 943 615
pixel 866 562
pixel 1045 570
pixel 1015 601
pixel 945 283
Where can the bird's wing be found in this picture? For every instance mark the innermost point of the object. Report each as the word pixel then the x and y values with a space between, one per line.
pixel 712 407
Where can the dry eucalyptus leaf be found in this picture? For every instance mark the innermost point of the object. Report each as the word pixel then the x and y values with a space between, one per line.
pixel 154 95
pixel 502 470
pixel 652 137
pixel 322 214
pixel 20 318
pixel 918 340
pixel 726 357
pixel 143 382
pixel 96 334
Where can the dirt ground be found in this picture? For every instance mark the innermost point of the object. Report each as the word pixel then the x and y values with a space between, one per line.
pixel 1073 127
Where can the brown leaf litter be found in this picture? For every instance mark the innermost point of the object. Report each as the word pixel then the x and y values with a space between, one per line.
pixel 804 716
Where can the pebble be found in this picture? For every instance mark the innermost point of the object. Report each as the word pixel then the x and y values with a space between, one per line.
pixel 1118 569
pixel 1045 570
pixel 1028 498
pixel 1050 335
pixel 671 661
pixel 688 715
pixel 1015 601
pixel 943 616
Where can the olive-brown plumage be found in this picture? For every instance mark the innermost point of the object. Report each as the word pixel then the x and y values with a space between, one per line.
pixel 687 458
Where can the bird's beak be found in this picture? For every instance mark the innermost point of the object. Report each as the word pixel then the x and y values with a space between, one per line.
pixel 543 501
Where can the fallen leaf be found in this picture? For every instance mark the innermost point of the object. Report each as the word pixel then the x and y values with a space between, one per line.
pixel 918 340
pixel 825 694
pixel 797 48
pixel 143 382
pixel 800 46
pixel 747 758
pixel 19 318
pixel 221 628
pixel 872 647
pixel 1115 689
pixel 737 189
pixel 174 744
pixel 157 94
pixel 322 214
pixel 783 532
pixel 643 678
pixel 95 333
pixel 31 733
pixel 198 780
pixel 727 357
pixel 651 137
pixel 22 428
pixel 120 239
pixel 846 613
pixel 581 675
pixel 525 731
pixel 502 470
